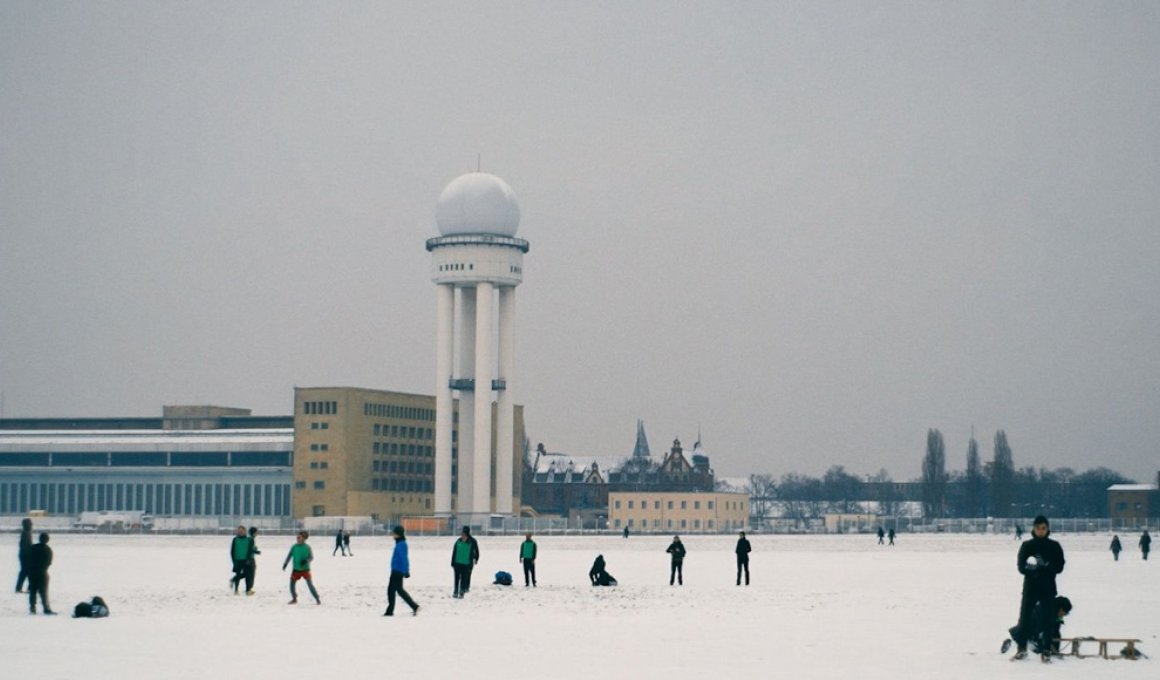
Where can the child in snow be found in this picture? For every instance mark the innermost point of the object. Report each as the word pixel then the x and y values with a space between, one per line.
pixel 302 556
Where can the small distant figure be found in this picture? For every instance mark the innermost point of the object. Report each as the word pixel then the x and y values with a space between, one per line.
pixel 464 557
pixel 676 569
pixel 346 543
pixel 1046 621
pixel 93 609
pixel 742 551
pixel 39 560
pixel 881 535
pixel 241 553
pixel 1018 532
pixel 338 544
pixel 1145 544
pixel 400 569
pixel 598 575
pixel 252 563
pixel 23 553
pixel 528 559
pixel 301 555
pixel 626 532
pixel 890 535
pixel 1116 547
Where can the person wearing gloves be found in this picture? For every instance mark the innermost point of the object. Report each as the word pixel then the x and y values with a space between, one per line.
pixel 1040 559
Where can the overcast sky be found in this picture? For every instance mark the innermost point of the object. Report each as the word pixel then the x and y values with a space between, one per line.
pixel 814 230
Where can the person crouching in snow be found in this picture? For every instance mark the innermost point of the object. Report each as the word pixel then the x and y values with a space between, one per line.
pixel 1046 620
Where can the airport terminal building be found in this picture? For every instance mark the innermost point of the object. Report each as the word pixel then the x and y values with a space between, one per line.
pixel 191 462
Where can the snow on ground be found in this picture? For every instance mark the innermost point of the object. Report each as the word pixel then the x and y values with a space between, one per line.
pixel 934 606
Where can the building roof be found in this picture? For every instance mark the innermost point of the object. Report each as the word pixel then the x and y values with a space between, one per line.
pixel 1134 487
pixel 62 440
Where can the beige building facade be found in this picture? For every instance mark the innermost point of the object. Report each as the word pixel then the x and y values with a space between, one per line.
pixel 364 452
pixel 678 512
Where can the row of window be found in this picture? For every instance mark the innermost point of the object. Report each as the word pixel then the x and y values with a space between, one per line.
pixel 458 267
pixel 392 484
pixel 318 484
pixel 386 449
pixel 392 411
pixel 406 432
pixel 320 447
pixel 320 408
pixel 729 505
pixel 320 426
pixel 148 459
pixel 515 269
pixel 315 465
pixel 403 467
pixel 669 524
pixel 155 499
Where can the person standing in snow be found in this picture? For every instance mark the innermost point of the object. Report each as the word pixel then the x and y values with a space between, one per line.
pixel 881 535
pixel 400 569
pixel 1116 547
pixel 742 551
pixel 252 563
pixel 241 552
pixel 890 535
pixel 346 543
pixel 39 560
pixel 676 571
pixel 22 555
pixel 1040 559
pixel 528 559
pixel 1145 544
pixel 338 544
pixel 301 555
pixel 464 557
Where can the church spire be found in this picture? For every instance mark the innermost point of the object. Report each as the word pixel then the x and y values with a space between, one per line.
pixel 641 448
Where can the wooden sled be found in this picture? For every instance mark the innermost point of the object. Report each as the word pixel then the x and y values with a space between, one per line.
pixel 1128 652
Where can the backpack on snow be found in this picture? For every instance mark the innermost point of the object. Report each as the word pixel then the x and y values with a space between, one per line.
pixel 503 578
pixel 94 609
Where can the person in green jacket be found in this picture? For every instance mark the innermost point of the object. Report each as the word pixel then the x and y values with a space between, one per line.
pixel 302 556
pixel 528 559
pixel 464 557
pixel 241 552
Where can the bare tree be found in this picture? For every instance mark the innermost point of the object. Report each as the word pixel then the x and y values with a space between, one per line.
pixel 762 491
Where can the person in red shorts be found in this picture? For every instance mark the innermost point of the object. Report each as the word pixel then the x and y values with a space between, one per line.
pixel 301 555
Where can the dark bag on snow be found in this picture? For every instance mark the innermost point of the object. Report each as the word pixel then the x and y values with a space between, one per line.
pixel 503 578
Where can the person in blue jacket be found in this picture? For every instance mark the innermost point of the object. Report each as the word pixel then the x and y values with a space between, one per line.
pixel 400 569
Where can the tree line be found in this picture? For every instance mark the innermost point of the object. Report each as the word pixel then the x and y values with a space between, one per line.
pixel 994 488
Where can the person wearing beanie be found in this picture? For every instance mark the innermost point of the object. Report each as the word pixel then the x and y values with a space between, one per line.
pixel 1040 559
pixel 400 569
pixel 464 557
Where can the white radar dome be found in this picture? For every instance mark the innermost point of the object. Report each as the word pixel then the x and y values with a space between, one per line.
pixel 477 203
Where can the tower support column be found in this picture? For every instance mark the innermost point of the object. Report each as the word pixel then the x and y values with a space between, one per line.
pixel 484 348
pixel 467 398
pixel 444 356
pixel 506 450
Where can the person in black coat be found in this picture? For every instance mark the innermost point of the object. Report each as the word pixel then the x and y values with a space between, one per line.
pixel 1115 547
pixel 25 546
pixel 1145 544
pixel 1040 559
pixel 598 576
pixel 742 551
pixel 464 557
pixel 676 571
pixel 39 560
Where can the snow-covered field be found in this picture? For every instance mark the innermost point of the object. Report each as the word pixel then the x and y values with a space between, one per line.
pixel 934 606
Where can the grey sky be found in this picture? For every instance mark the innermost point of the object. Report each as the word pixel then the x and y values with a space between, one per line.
pixel 815 229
